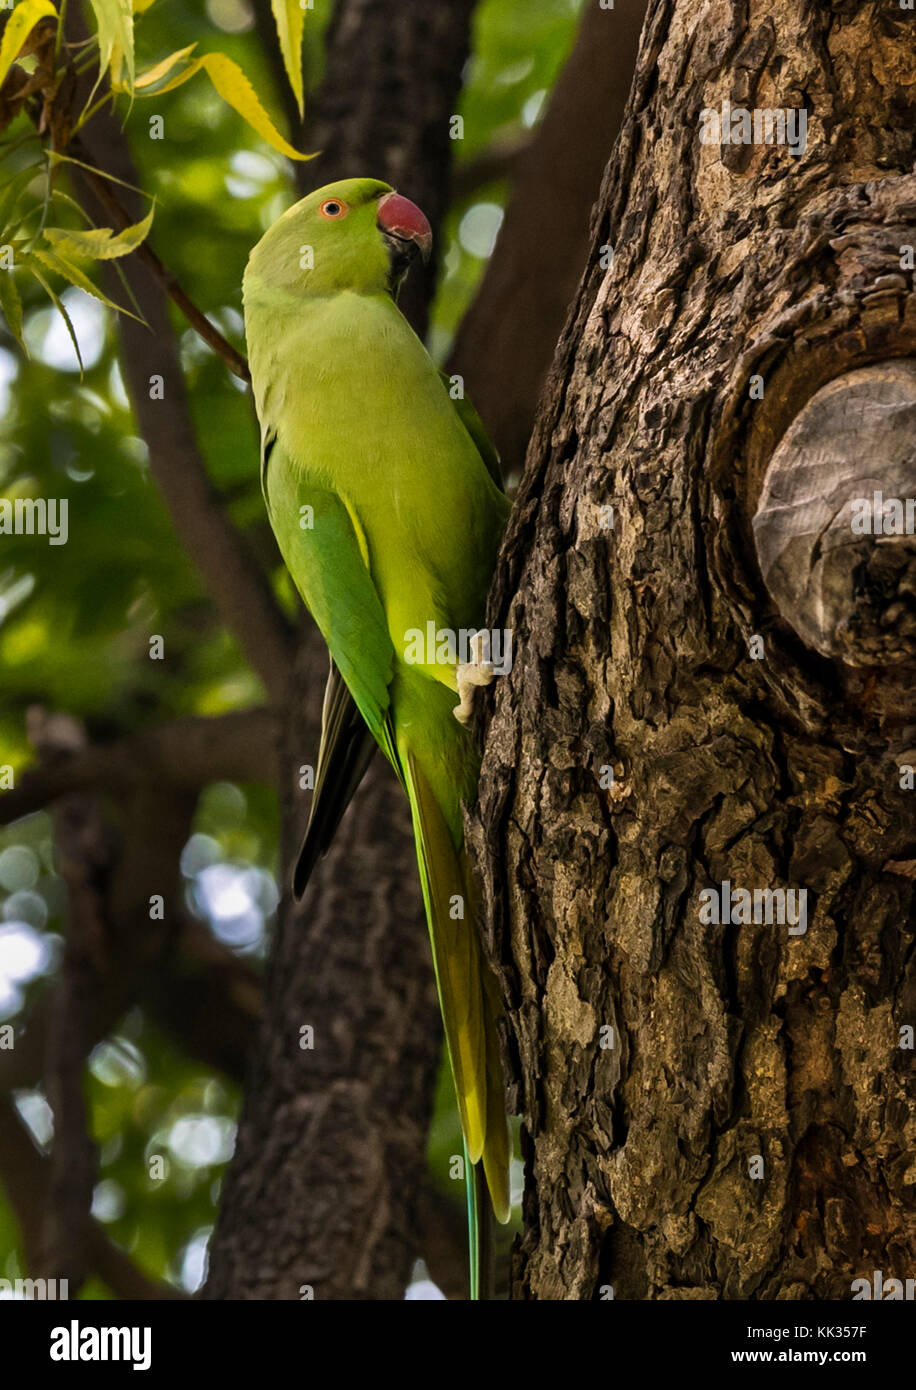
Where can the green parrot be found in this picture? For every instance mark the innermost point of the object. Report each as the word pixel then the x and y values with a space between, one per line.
pixel 385 498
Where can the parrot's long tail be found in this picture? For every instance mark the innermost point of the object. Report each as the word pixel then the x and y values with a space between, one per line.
pixel 481 1233
pixel 467 995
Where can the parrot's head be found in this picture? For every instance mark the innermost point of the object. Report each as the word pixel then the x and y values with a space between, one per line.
pixel 357 234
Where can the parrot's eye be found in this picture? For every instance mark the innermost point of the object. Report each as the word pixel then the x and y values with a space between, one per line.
pixel 333 207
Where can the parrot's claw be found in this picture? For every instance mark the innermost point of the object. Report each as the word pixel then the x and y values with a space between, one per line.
pixel 469 674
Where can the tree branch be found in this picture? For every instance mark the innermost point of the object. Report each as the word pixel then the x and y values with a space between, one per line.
pixel 185 754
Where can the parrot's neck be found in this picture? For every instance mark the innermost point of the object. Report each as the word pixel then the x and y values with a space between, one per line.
pixel 323 355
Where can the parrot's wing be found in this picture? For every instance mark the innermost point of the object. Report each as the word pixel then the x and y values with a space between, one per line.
pixel 347 746
pixel 347 749
pixel 325 553
pixel 477 430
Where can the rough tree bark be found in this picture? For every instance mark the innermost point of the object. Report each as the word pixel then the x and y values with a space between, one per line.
pixel 718 1111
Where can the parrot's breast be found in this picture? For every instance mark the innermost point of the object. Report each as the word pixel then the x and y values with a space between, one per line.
pixel 358 405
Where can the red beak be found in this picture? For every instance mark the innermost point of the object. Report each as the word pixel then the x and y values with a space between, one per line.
pixel 399 217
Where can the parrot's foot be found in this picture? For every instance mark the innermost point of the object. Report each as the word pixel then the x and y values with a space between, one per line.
pixel 477 671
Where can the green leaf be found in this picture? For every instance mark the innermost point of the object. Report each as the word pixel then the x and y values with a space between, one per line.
pixel 101 243
pixel 11 305
pixel 57 158
pixel 115 24
pixel 20 24
pixel 235 89
pixel 289 17
pixel 61 309
pixel 72 273
pixel 154 74
pixel 9 197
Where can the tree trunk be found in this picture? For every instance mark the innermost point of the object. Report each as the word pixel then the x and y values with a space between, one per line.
pixel 506 340
pixel 719 1108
